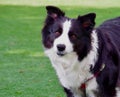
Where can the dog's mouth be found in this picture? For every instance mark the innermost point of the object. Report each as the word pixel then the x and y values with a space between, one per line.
pixel 61 53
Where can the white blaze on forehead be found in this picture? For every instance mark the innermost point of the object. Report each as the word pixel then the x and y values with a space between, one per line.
pixel 64 38
pixel 66 26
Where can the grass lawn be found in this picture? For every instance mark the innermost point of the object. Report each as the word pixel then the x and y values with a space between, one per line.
pixel 24 69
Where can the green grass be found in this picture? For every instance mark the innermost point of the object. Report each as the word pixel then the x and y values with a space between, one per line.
pixel 24 69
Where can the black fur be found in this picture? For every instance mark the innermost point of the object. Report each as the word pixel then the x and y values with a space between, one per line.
pixel 109 53
pixel 68 92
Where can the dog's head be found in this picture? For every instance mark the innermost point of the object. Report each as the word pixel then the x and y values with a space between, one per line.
pixel 65 35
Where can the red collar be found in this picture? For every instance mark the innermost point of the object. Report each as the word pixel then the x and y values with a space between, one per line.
pixel 83 85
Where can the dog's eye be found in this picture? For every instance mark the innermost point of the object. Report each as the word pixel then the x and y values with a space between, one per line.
pixel 73 36
pixel 57 34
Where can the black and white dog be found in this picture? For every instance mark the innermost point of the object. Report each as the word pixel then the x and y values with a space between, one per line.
pixel 86 59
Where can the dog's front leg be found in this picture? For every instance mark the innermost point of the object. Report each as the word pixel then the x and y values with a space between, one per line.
pixel 68 92
pixel 91 89
pixel 91 94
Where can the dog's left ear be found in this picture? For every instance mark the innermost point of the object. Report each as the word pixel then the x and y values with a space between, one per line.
pixel 87 21
pixel 54 12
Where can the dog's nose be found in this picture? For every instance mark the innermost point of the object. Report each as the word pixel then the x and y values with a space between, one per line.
pixel 61 47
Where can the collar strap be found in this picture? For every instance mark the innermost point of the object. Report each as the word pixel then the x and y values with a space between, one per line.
pixel 83 85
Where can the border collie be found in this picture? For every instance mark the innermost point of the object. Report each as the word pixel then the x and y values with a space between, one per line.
pixel 86 59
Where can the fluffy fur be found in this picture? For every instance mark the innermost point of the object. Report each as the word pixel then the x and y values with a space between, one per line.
pixel 79 52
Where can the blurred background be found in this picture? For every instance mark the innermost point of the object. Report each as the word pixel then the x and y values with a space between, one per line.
pixel 95 3
pixel 25 71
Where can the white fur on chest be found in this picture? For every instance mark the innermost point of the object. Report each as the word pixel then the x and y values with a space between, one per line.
pixel 70 71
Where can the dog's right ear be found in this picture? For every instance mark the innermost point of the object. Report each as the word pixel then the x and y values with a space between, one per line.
pixel 54 12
